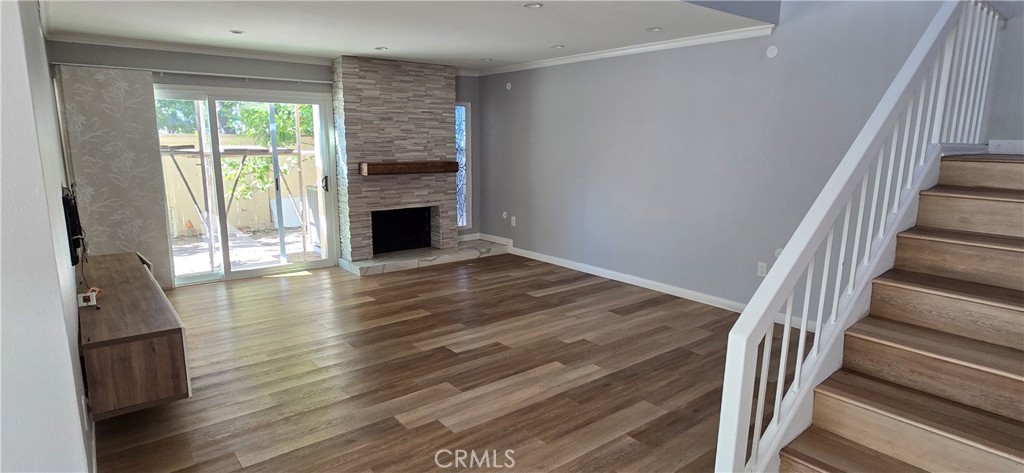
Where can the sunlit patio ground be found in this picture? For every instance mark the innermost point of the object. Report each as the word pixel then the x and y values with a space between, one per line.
pixel 249 250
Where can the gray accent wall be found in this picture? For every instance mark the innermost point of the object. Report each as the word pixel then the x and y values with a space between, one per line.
pixel 687 166
pixel 1006 93
pixel 112 142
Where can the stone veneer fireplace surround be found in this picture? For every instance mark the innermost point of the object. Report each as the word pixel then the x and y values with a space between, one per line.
pixel 393 111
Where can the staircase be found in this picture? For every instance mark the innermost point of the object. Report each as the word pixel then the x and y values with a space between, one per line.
pixel 933 378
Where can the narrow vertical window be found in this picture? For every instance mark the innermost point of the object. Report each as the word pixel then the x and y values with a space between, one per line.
pixel 462 155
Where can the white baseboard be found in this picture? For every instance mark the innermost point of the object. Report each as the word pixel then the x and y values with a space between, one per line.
pixel 496 239
pixel 613 275
pixel 1006 146
pixel 634 280
pixel 469 237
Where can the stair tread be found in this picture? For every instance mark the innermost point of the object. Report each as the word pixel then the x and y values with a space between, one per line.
pixel 960 289
pixel 999 242
pixel 981 193
pixel 996 434
pixel 825 451
pixel 987 158
pixel 995 359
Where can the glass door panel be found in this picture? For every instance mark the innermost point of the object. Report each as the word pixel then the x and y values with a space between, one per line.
pixel 270 157
pixel 193 220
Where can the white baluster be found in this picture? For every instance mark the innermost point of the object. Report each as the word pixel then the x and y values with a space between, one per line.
pixel 929 135
pixel 977 72
pixel 856 235
pixel 762 389
pixel 993 24
pixel 888 181
pixel 803 325
pixel 783 360
pixel 943 93
pixel 903 158
pixel 874 204
pixel 918 119
pixel 973 52
pixel 961 69
pixel 841 261
pixel 823 289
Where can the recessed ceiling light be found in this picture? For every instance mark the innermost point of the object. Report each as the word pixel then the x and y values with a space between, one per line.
pixel 558 46
pixel 381 48
pixel 487 59
pixel 236 31
pixel 654 29
pixel 533 5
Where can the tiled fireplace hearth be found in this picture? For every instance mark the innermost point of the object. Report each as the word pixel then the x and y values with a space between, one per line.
pixel 392 111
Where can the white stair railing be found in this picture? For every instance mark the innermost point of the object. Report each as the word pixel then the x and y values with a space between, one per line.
pixel 938 96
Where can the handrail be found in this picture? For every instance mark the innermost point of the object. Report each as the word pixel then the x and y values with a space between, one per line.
pixel 938 95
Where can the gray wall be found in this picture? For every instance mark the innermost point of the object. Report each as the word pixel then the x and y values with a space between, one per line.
pixel 687 166
pixel 1006 93
pixel 467 89
pixel 44 424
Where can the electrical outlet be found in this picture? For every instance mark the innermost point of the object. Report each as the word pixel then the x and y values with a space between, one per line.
pixel 762 268
pixel 504 215
pixel 513 220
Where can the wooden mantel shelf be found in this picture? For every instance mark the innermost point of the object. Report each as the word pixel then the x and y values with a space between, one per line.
pixel 408 167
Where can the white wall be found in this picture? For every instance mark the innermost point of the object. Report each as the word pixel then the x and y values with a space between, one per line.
pixel 43 422
pixel 687 166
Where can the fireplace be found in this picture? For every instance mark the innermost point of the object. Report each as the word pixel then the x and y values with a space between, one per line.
pixel 393 113
pixel 401 229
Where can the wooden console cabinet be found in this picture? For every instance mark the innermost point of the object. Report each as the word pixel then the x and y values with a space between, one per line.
pixel 132 341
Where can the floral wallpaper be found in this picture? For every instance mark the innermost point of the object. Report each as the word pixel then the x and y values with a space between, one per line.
pixel 110 125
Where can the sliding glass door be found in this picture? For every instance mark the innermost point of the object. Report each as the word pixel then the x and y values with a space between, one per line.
pixel 255 178
pixel 189 184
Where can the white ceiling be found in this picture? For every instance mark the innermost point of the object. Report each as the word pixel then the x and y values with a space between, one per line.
pixel 459 33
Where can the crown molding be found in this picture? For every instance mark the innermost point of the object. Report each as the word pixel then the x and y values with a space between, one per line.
pixel 183 48
pixel 717 37
pixel 743 33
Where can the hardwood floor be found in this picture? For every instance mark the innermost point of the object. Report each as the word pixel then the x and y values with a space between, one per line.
pixel 327 371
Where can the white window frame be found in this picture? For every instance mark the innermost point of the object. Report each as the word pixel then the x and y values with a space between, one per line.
pixel 469 164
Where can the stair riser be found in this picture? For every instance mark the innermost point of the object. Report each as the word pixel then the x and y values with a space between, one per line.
pixel 963 384
pixel 907 442
pixel 970 319
pixel 982 174
pixel 993 266
pixel 972 215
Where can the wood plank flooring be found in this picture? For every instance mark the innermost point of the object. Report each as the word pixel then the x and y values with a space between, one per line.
pixel 326 371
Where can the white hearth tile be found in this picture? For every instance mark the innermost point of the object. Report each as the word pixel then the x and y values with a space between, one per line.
pixel 420 257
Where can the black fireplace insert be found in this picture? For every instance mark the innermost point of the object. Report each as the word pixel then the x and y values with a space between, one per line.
pixel 402 229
